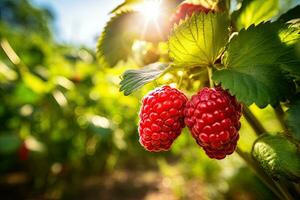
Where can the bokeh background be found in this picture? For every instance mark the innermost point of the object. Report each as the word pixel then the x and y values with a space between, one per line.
pixel 66 132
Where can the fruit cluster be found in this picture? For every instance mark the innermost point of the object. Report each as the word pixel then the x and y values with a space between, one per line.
pixel 212 115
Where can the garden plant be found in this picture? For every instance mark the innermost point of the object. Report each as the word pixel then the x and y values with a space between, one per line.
pixel 212 62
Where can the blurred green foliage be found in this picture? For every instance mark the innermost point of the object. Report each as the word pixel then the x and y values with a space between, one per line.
pixel 66 109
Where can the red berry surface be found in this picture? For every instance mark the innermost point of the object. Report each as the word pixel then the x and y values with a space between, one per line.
pixel 185 9
pixel 161 118
pixel 212 116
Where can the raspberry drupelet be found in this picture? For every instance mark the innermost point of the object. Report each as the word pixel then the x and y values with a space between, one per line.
pixel 212 116
pixel 161 118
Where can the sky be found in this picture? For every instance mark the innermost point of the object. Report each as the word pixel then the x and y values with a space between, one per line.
pixel 79 22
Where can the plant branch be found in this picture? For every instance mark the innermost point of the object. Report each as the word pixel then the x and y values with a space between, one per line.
pixel 253 121
pixel 283 190
pixel 280 116
pixel 265 178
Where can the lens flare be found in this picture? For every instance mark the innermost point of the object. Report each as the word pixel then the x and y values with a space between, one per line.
pixel 150 9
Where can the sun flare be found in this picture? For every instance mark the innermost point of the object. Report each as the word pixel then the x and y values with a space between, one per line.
pixel 150 9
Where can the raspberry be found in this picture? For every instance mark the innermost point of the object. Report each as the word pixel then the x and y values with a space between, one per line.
pixel 161 118
pixel 187 9
pixel 212 116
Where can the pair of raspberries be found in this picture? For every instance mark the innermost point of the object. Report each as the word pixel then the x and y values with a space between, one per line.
pixel 212 116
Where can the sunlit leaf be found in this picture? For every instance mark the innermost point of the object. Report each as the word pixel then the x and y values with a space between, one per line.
pixel 117 38
pixel 127 4
pixel 199 40
pixel 252 66
pixel 257 11
pixel 134 79
pixel 290 35
pixel 35 83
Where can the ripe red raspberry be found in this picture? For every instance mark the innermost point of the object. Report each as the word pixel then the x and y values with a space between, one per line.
pixel 187 9
pixel 212 116
pixel 161 118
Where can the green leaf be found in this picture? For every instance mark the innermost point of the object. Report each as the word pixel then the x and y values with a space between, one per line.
pixel 134 79
pixel 290 36
pixel 115 43
pixel 199 40
pixel 252 67
pixel 277 156
pixel 9 144
pixel 293 119
pixel 117 38
pixel 35 83
pixel 127 4
pixel 257 11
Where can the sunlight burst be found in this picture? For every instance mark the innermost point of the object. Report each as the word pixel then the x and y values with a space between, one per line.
pixel 150 9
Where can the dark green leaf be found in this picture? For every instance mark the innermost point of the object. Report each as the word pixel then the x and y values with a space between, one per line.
pixel 293 119
pixel 252 66
pixel 134 79
pixel 277 156
pixel 199 40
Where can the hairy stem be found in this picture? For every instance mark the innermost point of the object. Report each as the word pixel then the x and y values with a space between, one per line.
pixel 253 121
pixel 260 173
pixel 209 73
pixel 278 188
pixel 280 116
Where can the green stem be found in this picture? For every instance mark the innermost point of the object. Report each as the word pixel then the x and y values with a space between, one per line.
pixel 280 116
pixel 284 190
pixel 180 80
pixel 260 173
pixel 253 121
pixel 279 189
pixel 209 73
